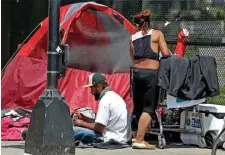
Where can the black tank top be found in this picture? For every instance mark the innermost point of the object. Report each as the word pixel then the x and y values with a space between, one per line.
pixel 142 46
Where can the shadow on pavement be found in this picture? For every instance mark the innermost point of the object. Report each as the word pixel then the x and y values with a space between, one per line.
pixel 21 146
pixel 170 145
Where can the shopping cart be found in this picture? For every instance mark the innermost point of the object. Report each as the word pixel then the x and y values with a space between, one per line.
pixel 220 139
pixel 198 124
pixel 174 126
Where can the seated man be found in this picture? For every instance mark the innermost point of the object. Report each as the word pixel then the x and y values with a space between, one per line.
pixel 112 118
pixel 83 134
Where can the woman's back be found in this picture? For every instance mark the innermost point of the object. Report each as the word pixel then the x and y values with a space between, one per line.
pixel 146 49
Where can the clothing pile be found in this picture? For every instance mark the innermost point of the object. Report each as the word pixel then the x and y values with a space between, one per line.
pixel 189 78
pixel 14 122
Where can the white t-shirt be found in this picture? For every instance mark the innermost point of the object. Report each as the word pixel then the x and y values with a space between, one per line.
pixel 113 114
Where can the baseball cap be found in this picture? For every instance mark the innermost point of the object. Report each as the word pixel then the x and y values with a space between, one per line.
pixel 95 78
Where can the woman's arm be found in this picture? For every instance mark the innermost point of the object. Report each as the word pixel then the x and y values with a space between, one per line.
pixel 131 46
pixel 163 46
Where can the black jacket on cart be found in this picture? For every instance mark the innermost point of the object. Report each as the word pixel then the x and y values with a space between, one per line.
pixel 189 78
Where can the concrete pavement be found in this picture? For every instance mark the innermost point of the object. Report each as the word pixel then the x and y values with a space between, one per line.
pixel 17 148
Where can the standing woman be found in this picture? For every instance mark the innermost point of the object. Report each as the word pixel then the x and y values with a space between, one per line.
pixel 145 46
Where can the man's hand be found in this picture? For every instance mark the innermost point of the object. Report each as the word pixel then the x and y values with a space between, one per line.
pixel 77 122
pixel 77 115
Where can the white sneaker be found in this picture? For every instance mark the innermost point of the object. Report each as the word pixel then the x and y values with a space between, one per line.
pixel 143 145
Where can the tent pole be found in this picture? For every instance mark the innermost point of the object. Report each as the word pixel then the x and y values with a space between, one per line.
pixel 18 49
pixel 51 130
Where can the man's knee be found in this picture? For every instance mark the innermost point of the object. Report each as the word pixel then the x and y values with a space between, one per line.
pixel 83 131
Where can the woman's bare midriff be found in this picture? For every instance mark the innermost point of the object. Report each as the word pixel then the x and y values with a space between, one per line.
pixel 146 64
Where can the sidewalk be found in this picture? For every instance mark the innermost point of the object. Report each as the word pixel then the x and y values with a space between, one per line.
pixel 17 148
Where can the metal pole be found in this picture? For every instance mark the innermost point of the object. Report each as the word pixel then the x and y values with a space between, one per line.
pixel 51 130
pixel 217 141
pixel 53 42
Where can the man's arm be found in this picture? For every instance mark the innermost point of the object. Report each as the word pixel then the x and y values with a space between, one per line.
pixel 99 127
pixel 86 119
pixel 92 126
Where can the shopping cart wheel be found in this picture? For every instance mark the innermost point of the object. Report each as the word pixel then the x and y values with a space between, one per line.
pixel 210 138
pixel 162 142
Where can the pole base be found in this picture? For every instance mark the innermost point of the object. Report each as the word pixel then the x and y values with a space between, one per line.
pixel 50 131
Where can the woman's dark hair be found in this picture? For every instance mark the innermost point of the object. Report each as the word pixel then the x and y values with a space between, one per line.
pixel 142 18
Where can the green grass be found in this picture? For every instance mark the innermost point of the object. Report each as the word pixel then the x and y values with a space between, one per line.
pixel 218 99
pixel 191 53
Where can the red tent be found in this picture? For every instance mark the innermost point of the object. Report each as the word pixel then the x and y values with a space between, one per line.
pixel 98 40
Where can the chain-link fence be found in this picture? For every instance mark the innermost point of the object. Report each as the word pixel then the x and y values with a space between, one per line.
pixel 217 51
pixel 205 20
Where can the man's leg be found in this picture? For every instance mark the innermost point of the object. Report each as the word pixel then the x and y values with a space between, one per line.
pixel 86 135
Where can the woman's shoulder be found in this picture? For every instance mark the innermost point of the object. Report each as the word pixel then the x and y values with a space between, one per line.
pixel 136 35
pixel 157 32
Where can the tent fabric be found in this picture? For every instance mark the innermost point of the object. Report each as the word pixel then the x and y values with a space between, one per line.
pixel 11 129
pixel 98 37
